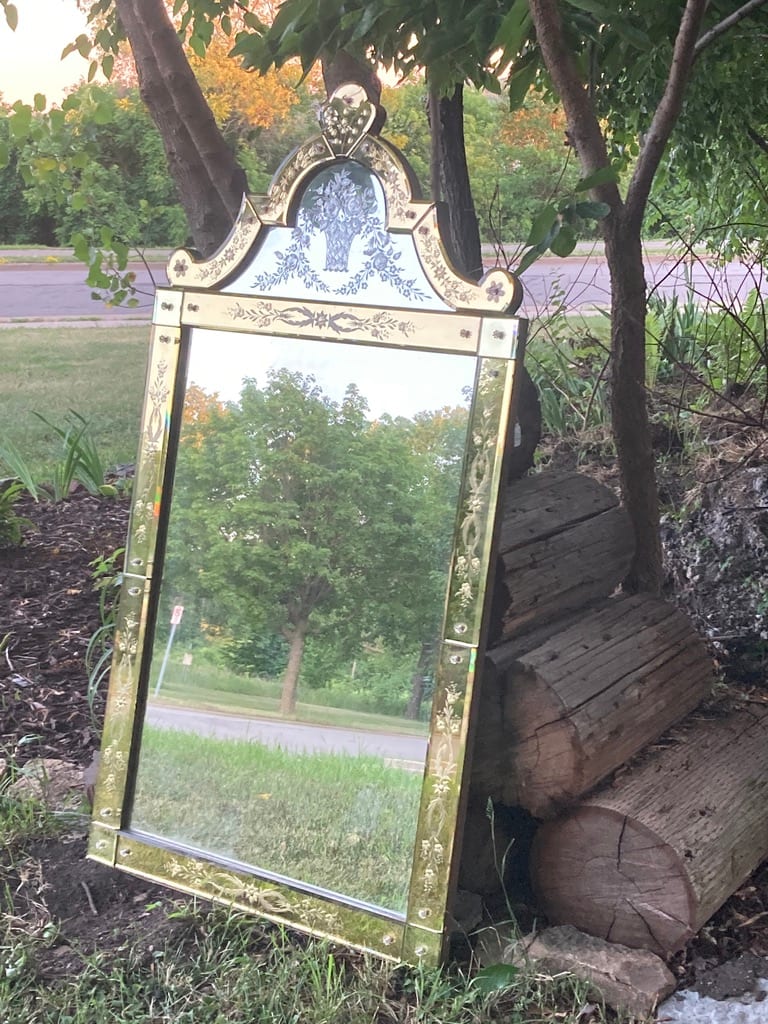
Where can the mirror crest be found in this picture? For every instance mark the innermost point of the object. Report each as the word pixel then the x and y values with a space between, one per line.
pixel 304 601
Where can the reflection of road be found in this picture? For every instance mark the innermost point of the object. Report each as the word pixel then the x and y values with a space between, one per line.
pixel 403 749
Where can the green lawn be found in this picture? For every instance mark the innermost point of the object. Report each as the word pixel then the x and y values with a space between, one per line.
pixel 95 371
pixel 346 823
pixel 216 688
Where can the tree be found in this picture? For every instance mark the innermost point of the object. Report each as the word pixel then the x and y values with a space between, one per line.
pixel 621 73
pixel 293 512
pixel 96 161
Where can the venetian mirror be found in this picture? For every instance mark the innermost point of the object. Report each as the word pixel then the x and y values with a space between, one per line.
pixel 303 608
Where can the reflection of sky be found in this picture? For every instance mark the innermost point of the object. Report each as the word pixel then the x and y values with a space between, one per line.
pixel 393 381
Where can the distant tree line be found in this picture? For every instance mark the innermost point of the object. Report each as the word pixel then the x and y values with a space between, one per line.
pixel 98 159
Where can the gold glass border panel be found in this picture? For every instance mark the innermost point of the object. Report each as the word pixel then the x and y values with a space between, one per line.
pixel 475 326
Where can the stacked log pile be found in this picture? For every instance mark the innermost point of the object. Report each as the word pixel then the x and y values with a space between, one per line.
pixel 578 681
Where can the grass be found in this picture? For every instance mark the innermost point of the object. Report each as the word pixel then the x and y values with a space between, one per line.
pixel 213 688
pixel 98 372
pixel 216 966
pixel 223 969
pixel 350 820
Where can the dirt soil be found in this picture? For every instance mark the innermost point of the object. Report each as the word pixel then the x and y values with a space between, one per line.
pixel 48 611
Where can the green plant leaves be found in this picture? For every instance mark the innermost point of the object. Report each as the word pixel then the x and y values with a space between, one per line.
pixel 495 978
pixel 542 225
pixel 564 242
pixel 603 176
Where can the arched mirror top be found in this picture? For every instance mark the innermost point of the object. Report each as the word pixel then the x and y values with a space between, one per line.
pixel 343 222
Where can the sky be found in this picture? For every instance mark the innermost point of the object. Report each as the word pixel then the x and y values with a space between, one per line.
pixel 30 57
pixel 393 381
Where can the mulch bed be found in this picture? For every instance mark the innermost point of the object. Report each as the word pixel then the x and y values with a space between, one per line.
pixel 48 612
pixel 49 609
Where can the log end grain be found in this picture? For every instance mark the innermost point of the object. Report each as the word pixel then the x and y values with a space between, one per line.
pixel 647 860
pixel 614 878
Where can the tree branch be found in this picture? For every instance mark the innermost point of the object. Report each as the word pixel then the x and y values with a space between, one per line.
pixel 668 110
pixel 722 26
pixel 583 126
pixel 759 140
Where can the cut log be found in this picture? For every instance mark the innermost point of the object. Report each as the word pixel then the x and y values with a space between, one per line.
pixel 648 860
pixel 556 720
pixel 565 543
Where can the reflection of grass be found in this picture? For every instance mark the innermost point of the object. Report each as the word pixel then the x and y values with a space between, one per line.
pixel 344 823
pixel 213 688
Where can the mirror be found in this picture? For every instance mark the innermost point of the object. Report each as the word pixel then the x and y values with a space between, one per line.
pixel 299 613
pixel 303 607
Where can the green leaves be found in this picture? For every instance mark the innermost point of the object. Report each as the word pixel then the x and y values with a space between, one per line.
pixel 495 977
pixel 514 29
pixel 603 176
pixel 556 229
pixel 81 45
pixel 543 226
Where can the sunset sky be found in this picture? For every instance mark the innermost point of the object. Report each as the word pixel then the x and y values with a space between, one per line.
pixel 30 57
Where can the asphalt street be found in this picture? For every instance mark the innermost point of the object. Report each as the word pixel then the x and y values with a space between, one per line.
pixel 58 290
pixel 298 736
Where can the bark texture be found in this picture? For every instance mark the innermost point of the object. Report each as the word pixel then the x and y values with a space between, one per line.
pixel 564 544
pixel 209 180
pixel 629 408
pixel 582 703
pixel 624 256
pixel 647 860
pixel 463 233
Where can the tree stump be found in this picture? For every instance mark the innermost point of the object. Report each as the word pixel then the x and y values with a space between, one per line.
pixel 565 542
pixel 557 719
pixel 646 861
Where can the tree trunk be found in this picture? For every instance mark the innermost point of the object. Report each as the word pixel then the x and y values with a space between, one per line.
pixel 208 179
pixel 418 680
pixel 297 638
pixel 623 253
pixel 629 409
pixel 578 705
pixel 463 233
pixel 647 860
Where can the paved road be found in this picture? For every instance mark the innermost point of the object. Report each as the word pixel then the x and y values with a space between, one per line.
pixel 291 735
pixel 35 290
pixel 585 282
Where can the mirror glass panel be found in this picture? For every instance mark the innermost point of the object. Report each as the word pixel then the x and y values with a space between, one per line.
pixel 300 607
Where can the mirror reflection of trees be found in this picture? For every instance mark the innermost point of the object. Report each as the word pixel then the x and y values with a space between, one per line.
pixel 309 543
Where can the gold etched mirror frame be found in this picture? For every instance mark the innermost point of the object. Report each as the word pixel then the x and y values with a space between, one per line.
pixel 473 319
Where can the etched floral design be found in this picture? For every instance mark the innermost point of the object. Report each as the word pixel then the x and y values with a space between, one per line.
pixel 340 206
pixel 262 897
pixel 379 326
pixel 341 209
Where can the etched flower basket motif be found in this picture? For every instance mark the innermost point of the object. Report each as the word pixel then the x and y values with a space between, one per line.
pixel 342 210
